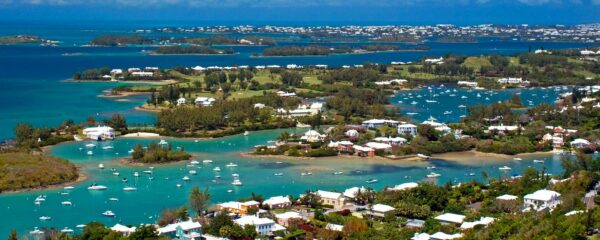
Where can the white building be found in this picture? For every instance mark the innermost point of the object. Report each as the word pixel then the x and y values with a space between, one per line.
pixel 394 141
pixel 435 60
pixel 284 218
pixel 351 192
pixel 306 110
pixel 190 229
pixel 375 123
pixel 352 133
pixel 450 218
pixel 580 143
pixel 277 202
pixel 510 80
pixel 482 221
pixel 204 101
pixel 334 199
pixel 123 229
pixel 467 84
pixel 407 128
pixel 264 226
pixel 285 94
pixel 379 146
pixel 507 197
pixel 142 74
pixel 180 101
pixel 404 186
pixel 99 133
pixel 502 128
pixel 381 210
pixel 436 236
pixel 541 200
pixel 313 136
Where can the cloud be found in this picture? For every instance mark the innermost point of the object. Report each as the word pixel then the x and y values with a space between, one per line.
pixel 284 3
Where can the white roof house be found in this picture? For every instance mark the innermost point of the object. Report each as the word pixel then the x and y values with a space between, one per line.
pixel 204 101
pixel 450 218
pixel 180 101
pixel 99 133
pixel 277 202
pixel 288 215
pixel 510 80
pixel 374 123
pixel 264 226
pixel 507 197
pixel 334 199
pixel 467 84
pixel 334 227
pixel 503 128
pixel 404 186
pixel 541 200
pixel 123 229
pixel 351 133
pixel 382 208
pixel 482 221
pixel 378 146
pixel 313 136
pixel 407 128
pixel 580 143
pixel 431 121
pixel 189 228
pixel 436 236
pixel 351 192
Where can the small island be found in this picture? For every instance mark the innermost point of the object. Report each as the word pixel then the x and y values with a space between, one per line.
pixel 21 39
pixel 157 153
pixel 24 171
pixel 318 50
pixel 181 50
pixel 120 40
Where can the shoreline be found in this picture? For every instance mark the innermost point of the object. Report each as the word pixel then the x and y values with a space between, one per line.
pixel 81 178
pixel 334 54
pixel 151 82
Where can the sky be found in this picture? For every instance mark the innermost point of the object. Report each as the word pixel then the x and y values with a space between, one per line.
pixel 292 12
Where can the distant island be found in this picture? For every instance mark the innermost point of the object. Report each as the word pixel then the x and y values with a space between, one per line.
pixel 120 40
pixel 21 39
pixel 21 170
pixel 173 50
pixel 318 50
pixel 157 153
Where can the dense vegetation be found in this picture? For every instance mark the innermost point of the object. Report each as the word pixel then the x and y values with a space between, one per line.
pixel 156 153
pixel 20 39
pixel 120 40
pixel 191 50
pixel 21 170
pixel 318 50
pixel 223 40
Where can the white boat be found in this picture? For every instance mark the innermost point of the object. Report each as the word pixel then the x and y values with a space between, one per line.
pixel 207 161
pixel 185 178
pixel 472 174
pixel 130 151
pixel 538 161
pixel 505 168
pixel 194 162
pixel 447 112
pixel 246 133
pixel 66 230
pixel 229 191
pixel 371 181
pixel 517 159
pixel 112 199
pixel 236 182
pixel 69 188
pixel 414 102
pixel 129 189
pixel 97 187
pixel 278 174
pixel 431 167
pixel 36 231
pixel 462 106
pixel 101 166
pixel 147 171
pixel 192 172
pixel 124 180
pixel 217 169
pixel 338 173
pixel 306 173
pixel 116 173
pixel 178 185
pixel 430 101
pixel 163 142
pixel 108 213
pixel 463 97
pixel 136 174
pixel 90 153
pixel 90 145
pixel 66 203
pixel 278 162
pixel 45 218
pixel 423 156
pixel 40 198
pixel 80 226
pixel 433 175
pixel 231 165
pixel 107 147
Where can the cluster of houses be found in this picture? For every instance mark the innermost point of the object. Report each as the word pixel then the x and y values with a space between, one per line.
pixel 99 133
pixel 119 74
pixel 199 101
pixel 513 81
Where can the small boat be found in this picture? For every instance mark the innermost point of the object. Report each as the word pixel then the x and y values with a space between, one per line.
pixel 66 230
pixel 80 226
pixel 129 189
pixel 517 159
pixel 163 142
pixel 66 203
pixel 97 187
pixel 90 153
pixel 147 171
pixel 463 97
pixel 338 173
pixel 538 161
pixel 472 174
pixel 231 165
pixel 462 106
pixel 278 162
pixel 278 174
pixel 306 173
pixel 101 166
pixel 107 147
pixel 151 178
pixel 447 112
pixel 178 185
pixel 431 167
pixel 246 133
pixel 36 231
pixel 423 156
pixel 192 172
pixel 505 168
pixel 194 162
pixel 90 145
pixel 40 198
pixel 185 178
pixel 108 213
pixel 229 191
pixel 414 102
pixel 69 188
pixel 430 101
pixel 37 203
pixel 116 173
pixel 207 161
pixel 124 180
pixel 217 169
pixel 235 175
pixel 112 199
pixel 371 181
pixel 136 174
pixel 433 175
pixel 236 182
pixel 411 113
pixel 45 218
pixel 130 151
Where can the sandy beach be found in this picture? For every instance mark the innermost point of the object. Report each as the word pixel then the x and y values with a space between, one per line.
pixel 141 135
pixel 474 156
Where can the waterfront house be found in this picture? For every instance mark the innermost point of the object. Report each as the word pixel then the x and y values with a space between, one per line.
pixel 116 71
pixel 404 186
pixel 99 133
pixel 334 199
pixel 350 193
pixel 393 141
pixel 277 202
pixel 467 84
pixel 123 229
pixel 263 226
pixel 450 218
pixel 375 123
pixel 407 129
pixel 510 80
pixel 342 146
pixel 182 230
pixel 142 74
pixel 313 136
pixel 580 143
pixel 132 70
pixel 238 207
pixel 284 218
pixel 364 151
pixel 441 127
pixel 541 200
pixel 379 146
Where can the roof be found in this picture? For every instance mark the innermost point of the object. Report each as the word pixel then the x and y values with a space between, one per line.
pixel 351 192
pixel 276 200
pixel 405 186
pixel 377 145
pixel 542 195
pixel 334 227
pixel 382 208
pixel 327 194
pixel 122 228
pixel 253 220
pixel 363 149
pixel 483 221
pixel 186 226
pixel 415 223
pixel 288 215
pixel 580 141
pixel 407 125
pixel 507 197
pixel 450 217
pixel 445 236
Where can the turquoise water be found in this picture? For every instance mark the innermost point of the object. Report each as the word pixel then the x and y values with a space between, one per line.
pixel 143 205
pixel 444 102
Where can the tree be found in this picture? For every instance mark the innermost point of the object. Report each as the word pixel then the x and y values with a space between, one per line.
pixel 144 232
pixel 222 219
pixel 23 133
pixel 354 225
pixel 199 200
pixel 13 235
pixel 117 121
pixel 94 231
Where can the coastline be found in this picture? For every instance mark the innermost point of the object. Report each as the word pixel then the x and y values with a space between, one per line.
pixel 82 177
pixel 472 155
pixel 156 82
pixel 334 54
